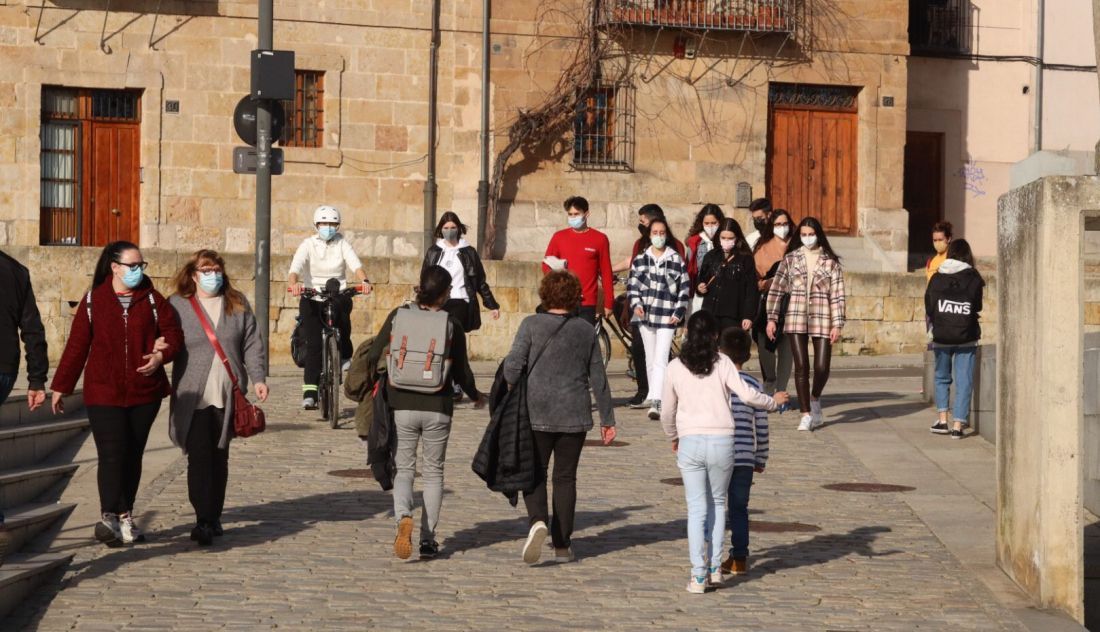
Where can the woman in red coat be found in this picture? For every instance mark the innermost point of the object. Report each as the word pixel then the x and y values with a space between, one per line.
pixel 112 342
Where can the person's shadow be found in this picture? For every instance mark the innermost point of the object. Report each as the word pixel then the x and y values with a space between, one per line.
pixel 819 549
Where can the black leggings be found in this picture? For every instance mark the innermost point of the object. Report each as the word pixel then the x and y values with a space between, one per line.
pixel 566 448
pixel 120 435
pixel 637 355
pixel 207 464
pixel 823 355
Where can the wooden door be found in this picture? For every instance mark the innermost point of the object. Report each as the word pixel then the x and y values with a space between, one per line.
pixel 923 191
pixel 113 183
pixel 811 165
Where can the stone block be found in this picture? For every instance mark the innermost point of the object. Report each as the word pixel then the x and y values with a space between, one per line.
pixel 908 285
pixel 867 284
pixel 864 308
pixel 902 309
pixel 508 298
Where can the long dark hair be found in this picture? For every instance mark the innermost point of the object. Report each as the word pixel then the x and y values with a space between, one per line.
pixel 670 239
pixel 111 253
pixel 959 250
pixel 449 216
pixel 729 224
pixel 708 209
pixel 435 284
pixel 768 233
pixel 699 352
pixel 822 240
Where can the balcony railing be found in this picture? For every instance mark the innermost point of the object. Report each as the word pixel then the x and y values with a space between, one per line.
pixel 940 27
pixel 767 16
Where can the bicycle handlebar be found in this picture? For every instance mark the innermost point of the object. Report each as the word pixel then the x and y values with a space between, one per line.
pixel 309 292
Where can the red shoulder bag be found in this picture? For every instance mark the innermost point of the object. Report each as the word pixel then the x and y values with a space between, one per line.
pixel 248 419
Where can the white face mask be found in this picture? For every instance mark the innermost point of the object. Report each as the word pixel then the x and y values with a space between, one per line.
pixel 658 241
pixel 810 241
pixel 710 230
pixel 782 231
pixel 727 244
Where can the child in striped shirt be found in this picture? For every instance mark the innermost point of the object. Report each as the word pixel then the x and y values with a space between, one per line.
pixel 750 452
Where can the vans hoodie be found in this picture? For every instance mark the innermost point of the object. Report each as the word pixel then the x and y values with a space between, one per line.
pixel 953 302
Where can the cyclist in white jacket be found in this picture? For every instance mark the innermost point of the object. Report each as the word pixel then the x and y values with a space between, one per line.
pixel 326 255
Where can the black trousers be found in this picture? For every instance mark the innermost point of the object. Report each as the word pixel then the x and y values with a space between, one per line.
pixel 637 357
pixel 120 434
pixel 823 356
pixel 460 309
pixel 311 314
pixel 207 465
pixel 566 449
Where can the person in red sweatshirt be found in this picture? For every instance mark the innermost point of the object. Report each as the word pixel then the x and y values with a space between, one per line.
pixel 114 343
pixel 587 253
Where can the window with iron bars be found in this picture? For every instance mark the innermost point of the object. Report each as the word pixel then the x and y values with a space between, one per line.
pixel 304 126
pixel 939 27
pixel 603 128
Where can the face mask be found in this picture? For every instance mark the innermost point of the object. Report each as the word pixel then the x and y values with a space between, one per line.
pixel 576 223
pixel 132 277
pixel 710 230
pixel 327 232
pixel 940 246
pixel 810 241
pixel 658 241
pixel 728 244
pixel 761 223
pixel 643 229
pixel 450 234
pixel 782 231
pixel 211 282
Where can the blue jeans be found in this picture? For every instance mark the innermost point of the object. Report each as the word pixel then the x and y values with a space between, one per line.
pixel 7 382
pixel 738 516
pixel 706 464
pixel 962 359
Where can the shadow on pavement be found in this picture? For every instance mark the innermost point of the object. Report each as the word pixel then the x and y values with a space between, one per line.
pixel 819 549
pixel 886 412
pixel 630 536
pixel 488 533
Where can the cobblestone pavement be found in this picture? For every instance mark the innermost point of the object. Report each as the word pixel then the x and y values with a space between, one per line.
pixel 305 549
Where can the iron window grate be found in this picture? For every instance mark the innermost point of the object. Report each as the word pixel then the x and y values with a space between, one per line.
pixel 304 126
pixel 603 128
pixel 939 27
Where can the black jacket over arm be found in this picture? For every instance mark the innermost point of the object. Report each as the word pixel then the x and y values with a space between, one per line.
pixel 475 281
pixel 733 293
pixel 19 317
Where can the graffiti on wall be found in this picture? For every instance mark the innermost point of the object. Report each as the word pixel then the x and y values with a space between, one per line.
pixel 973 178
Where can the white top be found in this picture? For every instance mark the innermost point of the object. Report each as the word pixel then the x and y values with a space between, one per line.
pixel 217 379
pixel 752 238
pixel 694 405
pixel 452 264
pixel 316 261
pixel 813 258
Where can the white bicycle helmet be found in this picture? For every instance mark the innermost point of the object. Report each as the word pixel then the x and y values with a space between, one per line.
pixel 327 214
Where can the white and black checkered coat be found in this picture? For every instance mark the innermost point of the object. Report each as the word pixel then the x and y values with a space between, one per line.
pixel 660 286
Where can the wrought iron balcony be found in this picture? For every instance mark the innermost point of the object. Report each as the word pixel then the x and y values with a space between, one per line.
pixel 764 16
pixel 940 27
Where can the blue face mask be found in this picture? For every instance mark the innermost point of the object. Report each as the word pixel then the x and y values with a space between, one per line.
pixel 327 232
pixel 576 223
pixel 132 277
pixel 211 282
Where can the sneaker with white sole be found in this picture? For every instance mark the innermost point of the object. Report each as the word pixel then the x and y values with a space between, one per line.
pixel 807 423
pixel 107 530
pixel 655 410
pixel 536 537
pixel 715 577
pixel 564 556
pixel 130 531
pixel 815 412
pixel 697 585
pixel 940 427
pixel 309 403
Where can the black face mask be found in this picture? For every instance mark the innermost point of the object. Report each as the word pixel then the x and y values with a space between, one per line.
pixel 643 229
pixel 761 223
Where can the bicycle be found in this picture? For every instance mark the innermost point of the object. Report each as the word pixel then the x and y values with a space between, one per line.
pixel 620 314
pixel 328 389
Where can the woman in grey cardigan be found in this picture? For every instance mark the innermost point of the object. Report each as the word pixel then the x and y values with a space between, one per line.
pixel 563 359
pixel 201 420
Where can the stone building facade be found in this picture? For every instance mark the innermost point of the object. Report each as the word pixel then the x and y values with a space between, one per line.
pixel 118 123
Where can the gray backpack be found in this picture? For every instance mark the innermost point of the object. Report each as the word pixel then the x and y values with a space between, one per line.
pixel 420 349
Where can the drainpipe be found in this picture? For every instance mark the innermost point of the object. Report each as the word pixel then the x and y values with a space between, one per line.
pixel 483 183
pixel 430 188
pixel 1039 77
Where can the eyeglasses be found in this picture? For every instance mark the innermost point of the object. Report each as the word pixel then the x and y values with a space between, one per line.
pixel 208 270
pixel 140 265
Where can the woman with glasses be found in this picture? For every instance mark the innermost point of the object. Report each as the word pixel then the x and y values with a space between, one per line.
pixel 201 420
pixel 114 342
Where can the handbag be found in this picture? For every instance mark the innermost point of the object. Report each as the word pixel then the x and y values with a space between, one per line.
pixel 248 419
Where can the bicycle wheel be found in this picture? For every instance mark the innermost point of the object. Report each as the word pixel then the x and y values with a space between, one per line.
pixel 605 346
pixel 322 381
pixel 334 380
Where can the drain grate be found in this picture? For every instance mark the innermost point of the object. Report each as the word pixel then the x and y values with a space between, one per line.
pixel 764 526
pixel 868 488
pixel 596 443
pixel 678 482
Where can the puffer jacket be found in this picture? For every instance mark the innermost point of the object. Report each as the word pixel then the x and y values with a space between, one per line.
pixel 506 458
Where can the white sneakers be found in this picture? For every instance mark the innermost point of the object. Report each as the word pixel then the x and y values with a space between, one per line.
pixel 564 556
pixel 813 419
pixel 715 578
pixel 130 531
pixel 697 585
pixel 807 423
pixel 536 537
pixel 107 530
pixel 655 410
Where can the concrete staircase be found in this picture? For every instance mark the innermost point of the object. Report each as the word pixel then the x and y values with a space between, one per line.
pixel 859 254
pixel 36 464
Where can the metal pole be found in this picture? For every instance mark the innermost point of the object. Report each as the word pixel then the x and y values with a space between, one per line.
pixel 1039 77
pixel 483 183
pixel 430 188
pixel 263 189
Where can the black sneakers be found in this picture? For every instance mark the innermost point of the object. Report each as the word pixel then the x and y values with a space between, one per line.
pixel 940 427
pixel 957 434
pixel 636 402
pixel 428 549
pixel 203 534
pixel 216 528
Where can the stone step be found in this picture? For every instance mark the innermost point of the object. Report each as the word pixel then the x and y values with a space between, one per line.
pixel 14 411
pixel 24 522
pixel 28 445
pixel 23 485
pixel 21 575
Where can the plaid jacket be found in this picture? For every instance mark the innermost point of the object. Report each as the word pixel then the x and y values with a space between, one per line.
pixel 660 287
pixel 815 307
